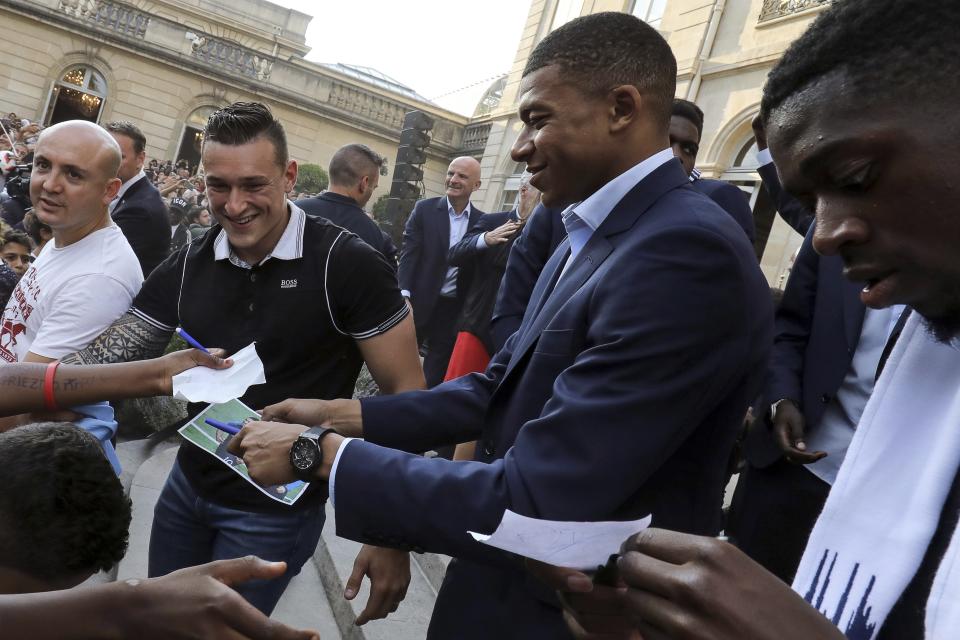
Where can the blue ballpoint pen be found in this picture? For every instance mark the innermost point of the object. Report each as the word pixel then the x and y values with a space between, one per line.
pixel 190 340
pixel 233 428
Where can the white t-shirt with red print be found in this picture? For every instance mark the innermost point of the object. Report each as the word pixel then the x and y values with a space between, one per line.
pixel 69 295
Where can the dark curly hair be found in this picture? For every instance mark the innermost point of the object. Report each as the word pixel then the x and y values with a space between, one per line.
pixel 242 122
pixel 609 49
pixel 63 510
pixel 887 49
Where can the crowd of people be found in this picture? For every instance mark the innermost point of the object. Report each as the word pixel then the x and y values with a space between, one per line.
pixel 593 354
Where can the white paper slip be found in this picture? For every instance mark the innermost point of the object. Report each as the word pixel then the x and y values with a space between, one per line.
pixel 217 386
pixel 578 545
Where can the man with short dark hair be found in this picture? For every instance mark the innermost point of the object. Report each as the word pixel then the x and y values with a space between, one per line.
pixel 882 561
pixel 63 512
pixel 138 209
pixel 622 392
pixel 686 128
pixel 354 176
pixel 16 251
pixel 307 293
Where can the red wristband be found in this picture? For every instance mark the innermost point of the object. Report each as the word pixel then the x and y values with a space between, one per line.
pixel 48 400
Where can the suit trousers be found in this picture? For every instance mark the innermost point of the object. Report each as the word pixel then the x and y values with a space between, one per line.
pixel 439 338
pixel 773 512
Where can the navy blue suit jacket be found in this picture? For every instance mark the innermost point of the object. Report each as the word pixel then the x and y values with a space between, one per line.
pixel 818 327
pixel 541 235
pixel 344 212
pixel 791 210
pixel 733 200
pixel 423 258
pixel 620 396
pixel 142 217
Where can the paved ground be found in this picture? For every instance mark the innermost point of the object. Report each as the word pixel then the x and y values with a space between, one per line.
pixel 313 599
pixel 307 601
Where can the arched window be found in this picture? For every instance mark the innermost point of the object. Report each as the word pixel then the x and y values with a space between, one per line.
pixel 79 94
pixel 192 139
pixel 743 173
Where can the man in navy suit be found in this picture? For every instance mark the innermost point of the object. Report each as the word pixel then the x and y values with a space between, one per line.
pixel 354 176
pixel 434 287
pixel 541 235
pixel 686 127
pixel 824 363
pixel 621 394
pixel 790 209
pixel 138 209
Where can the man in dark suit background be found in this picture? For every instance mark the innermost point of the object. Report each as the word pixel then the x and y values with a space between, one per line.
pixel 541 235
pixel 434 287
pixel 620 395
pixel 825 357
pixel 355 171
pixel 138 209
pixel 686 127
pixel 790 209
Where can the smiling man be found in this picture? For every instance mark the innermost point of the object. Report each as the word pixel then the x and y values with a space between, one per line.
pixel 306 292
pixel 435 288
pixel 622 391
pixel 883 561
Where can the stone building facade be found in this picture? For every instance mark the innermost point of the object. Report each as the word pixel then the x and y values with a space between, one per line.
pixel 166 64
pixel 724 50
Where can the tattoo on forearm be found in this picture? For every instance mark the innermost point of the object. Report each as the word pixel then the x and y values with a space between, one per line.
pixel 36 382
pixel 129 338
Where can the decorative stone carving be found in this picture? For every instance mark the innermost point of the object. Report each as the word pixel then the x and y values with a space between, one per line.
pixel 475 137
pixel 779 8
pixel 112 16
pixel 230 57
pixel 366 105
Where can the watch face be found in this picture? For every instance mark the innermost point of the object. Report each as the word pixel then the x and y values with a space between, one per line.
pixel 303 455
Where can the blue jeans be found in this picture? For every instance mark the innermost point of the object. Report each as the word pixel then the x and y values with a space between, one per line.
pixel 188 530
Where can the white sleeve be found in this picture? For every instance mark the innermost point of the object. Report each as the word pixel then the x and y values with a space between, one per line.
pixel 332 480
pixel 82 309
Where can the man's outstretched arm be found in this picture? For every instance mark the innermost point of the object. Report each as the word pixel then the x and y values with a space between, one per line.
pixel 197 602
pixel 21 383
pixel 129 338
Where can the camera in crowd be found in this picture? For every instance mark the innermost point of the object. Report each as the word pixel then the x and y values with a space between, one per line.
pixel 16 202
pixel 18 184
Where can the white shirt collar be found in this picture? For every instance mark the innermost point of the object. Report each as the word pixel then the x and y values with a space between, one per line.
pixel 453 212
pixel 595 209
pixel 288 247
pixel 129 183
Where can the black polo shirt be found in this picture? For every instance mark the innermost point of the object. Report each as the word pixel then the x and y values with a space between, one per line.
pixel 305 305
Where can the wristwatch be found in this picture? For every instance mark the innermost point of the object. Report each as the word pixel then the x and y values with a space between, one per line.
pixel 306 456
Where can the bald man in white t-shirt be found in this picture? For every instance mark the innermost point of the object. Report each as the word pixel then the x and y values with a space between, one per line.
pixel 87 276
